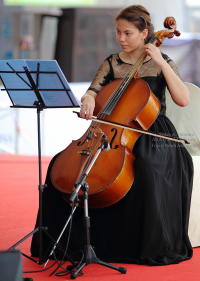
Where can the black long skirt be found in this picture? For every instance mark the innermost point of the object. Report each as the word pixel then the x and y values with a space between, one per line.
pixel 150 224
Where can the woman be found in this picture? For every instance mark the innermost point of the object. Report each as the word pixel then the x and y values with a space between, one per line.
pixel 149 225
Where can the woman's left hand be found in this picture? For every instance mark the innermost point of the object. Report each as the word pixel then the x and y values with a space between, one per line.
pixel 154 53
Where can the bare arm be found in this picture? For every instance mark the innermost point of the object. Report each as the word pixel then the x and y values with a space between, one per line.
pixel 177 88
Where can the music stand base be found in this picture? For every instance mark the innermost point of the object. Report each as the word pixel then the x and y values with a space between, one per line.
pixel 44 229
pixel 91 258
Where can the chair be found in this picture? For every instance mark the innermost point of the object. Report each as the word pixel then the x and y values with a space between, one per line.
pixel 187 123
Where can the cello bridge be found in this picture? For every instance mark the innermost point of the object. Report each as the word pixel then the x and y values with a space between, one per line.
pixel 85 151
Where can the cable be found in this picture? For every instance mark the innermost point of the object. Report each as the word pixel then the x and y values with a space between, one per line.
pixel 60 264
pixel 74 267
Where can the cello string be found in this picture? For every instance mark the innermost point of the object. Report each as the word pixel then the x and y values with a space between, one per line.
pixel 119 91
pixel 125 82
pixel 127 79
pixel 133 70
pixel 113 100
pixel 122 86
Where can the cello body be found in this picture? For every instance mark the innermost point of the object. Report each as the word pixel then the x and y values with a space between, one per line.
pixel 112 175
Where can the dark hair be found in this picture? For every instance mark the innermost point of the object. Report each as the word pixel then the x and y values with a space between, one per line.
pixel 140 17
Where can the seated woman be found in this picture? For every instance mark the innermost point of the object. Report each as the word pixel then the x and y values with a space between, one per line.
pixel 149 225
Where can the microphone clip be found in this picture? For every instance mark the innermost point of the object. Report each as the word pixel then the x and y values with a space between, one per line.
pixel 105 144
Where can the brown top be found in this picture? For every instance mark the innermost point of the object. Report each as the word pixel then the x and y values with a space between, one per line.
pixel 113 68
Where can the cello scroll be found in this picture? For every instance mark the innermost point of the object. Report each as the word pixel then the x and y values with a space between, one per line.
pixel 169 33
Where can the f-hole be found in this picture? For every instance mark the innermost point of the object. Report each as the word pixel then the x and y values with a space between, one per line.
pixel 113 138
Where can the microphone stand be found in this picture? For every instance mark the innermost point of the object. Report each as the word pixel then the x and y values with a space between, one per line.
pixel 89 254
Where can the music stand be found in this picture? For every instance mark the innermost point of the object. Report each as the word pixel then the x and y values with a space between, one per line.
pixel 36 84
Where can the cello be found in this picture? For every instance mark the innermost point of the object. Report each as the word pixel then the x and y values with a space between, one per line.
pixel 120 102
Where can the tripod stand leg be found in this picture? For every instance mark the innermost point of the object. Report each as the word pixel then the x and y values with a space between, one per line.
pixel 89 254
pixel 23 239
pixel 90 258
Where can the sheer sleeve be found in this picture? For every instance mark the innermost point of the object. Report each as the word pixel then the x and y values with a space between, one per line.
pixel 103 77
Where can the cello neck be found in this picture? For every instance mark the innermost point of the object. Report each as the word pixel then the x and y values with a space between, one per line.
pixel 136 67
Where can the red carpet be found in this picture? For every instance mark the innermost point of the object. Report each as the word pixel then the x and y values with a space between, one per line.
pixel 18 210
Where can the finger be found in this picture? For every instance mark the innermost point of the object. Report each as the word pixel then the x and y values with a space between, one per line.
pixel 91 110
pixel 148 46
pixel 87 112
pixel 82 111
pixel 148 51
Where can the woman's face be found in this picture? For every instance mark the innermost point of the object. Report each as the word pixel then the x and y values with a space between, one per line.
pixel 128 36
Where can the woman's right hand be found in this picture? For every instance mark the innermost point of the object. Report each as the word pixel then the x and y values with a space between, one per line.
pixel 88 105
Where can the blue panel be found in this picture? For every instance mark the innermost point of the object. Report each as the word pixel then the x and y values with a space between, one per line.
pixel 50 82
